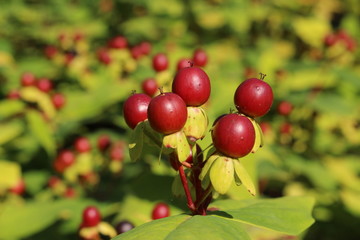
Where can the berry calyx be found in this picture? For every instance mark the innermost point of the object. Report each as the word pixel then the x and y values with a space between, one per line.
pixel 91 217
pixel 253 97
pixel 82 144
pixel 233 135
pixel 160 62
pixel 167 113
pixel 200 58
pixel 135 109
pixel 149 86
pixel 192 84
pixel 160 210
pixel 123 226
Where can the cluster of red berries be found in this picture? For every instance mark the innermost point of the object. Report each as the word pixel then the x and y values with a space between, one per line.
pixel 113 151
pixel 233 134
pixel 43 84
pixel 340 37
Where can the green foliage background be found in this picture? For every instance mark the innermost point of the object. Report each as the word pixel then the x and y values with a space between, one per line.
pixel 284 39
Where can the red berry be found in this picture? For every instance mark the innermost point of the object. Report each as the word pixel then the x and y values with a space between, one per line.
pixel 28 79
pixel 253 97
pixel 331 39
pixel 149 86
pixel 58 100
pixel 44 84
pixel 50 51
pixel 78 36
pixel 192 84
pixel 19 188
pixel 117 151
pixel 136 52
pixel 285 128
pixel 69 192
pixel 103 142
pixel 184 63
pixel 167 113
pixel 118 42
pixel 233 135
pixel 64 160
pixel 160 62
pixel 284 108
pixel 135 109
pixel 91 217
pixel 82 144
pixel 123 226
pixel 13 94
pixel 103 56
pixel 161 210
pixel 200 58
pixel 145 48
pixel 53 181
pixel 265 127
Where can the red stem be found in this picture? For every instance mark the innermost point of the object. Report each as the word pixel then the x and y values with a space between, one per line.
pixel 184 182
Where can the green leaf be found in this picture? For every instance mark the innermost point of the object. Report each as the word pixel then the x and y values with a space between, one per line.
pixel 35 180
pixel 187 227
pixel 41 131
pixel 10 173
pixel 10 107
pixel 34 95
pixel 10 130
pixel 136 142
pixel 290 215
pixel 244 177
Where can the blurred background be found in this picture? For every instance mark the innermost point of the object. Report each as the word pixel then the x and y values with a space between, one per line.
pixel 66 68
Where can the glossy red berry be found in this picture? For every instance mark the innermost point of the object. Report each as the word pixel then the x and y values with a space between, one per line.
pixel 184 63
pixel 160 62
pixel 161 210
pixel 118 42
pixel 103 142
pixel 233 135
pixel 82 144
pixel 149 86
pixel 123 226
pixel 58 100
pixel 28 79
pixel 91 217
pixel 253 97
pixel 64 160
pixel 200 58
pixel 44 85
pixel 192 84
pixel 167 113
pixel 135 109
pixel 284 108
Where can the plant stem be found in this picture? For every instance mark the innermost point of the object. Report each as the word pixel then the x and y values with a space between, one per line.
pixel 184 182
